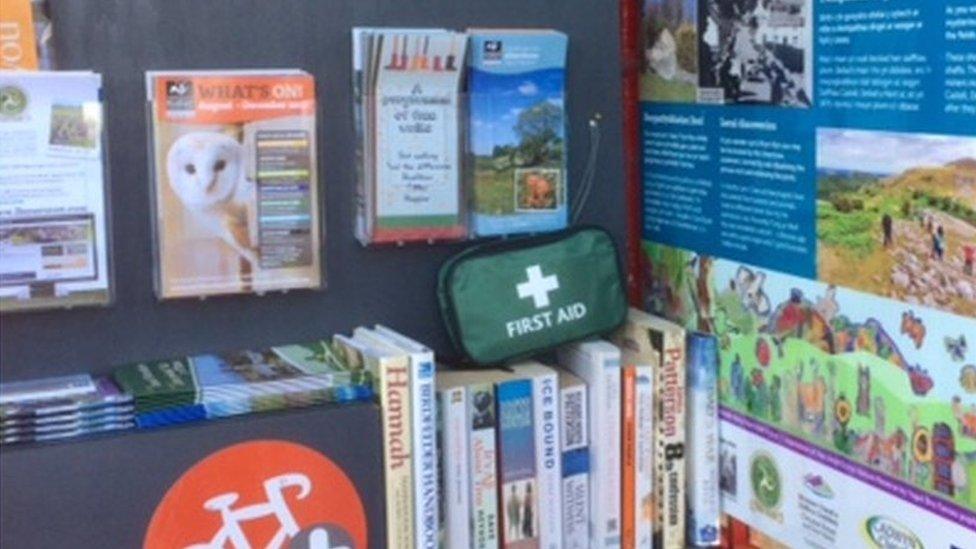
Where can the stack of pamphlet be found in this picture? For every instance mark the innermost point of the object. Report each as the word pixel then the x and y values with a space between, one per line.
pixel 60 408
pixel 226 384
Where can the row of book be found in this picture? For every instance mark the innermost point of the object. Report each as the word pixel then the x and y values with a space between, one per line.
pixel 460 134
pixel 613 445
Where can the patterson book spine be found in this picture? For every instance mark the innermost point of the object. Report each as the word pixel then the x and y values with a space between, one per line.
pixel 516 465
pixel 482 423
pixel 456 509
pixel 576 464
pixel 670 447
pixel 703 477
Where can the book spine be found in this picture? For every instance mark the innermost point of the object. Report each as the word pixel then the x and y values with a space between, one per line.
pixel 516 465
pixel 671 450
pixel 456 509
pixel 629 457
pixel 397 454
pixel 576 467
pixel 644 447
pixel 545 389
pixel 481 423
pixel 425 453
pixel 703 497
pixel 605 507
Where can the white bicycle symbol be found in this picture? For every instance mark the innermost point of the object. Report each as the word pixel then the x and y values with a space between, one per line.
pixel 276 506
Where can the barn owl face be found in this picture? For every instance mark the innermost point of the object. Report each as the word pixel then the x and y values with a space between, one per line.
pixel 204 168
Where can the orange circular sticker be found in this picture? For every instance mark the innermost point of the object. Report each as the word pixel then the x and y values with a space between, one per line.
pixel 263 493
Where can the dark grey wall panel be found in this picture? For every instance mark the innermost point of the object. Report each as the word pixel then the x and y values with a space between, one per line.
pixel 102 492
pixel 123 38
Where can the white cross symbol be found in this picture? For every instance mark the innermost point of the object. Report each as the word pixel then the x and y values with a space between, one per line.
pixel 538 287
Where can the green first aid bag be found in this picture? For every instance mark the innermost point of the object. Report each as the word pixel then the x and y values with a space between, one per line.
pixel 510 299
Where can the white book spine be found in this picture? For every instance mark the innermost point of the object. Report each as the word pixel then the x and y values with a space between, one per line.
pixel 645 457
pixel 600 368
pixel 484 467
pixel 456 472
pixel 704 507
pixel 425 443
pixel 576 468
pixel 545 389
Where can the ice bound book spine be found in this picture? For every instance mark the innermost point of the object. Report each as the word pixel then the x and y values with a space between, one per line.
pixel 545 387
pixel 703 497
pixel 482 423
pixel 575 447
pixel 516 465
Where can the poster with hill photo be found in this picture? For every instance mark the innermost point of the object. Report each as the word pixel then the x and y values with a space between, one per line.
pixel 896 216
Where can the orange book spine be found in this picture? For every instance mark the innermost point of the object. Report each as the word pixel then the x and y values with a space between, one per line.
pixel 628 476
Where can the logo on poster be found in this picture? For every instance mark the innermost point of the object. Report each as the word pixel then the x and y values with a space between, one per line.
pixel 13 102
pixel 885 533
pixel 270 494
pixel 767 486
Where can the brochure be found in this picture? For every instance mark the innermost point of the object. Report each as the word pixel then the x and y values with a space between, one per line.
pixel 54 246
pixel 235 181
pixel 409 120
pixel 517 136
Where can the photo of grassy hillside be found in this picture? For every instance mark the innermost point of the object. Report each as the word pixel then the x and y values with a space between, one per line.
pixel 896 216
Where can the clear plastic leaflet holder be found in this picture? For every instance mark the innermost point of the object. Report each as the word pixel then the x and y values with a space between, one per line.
pixel 511 125
pixel 55 222
pixel 410 118
pixel 234 182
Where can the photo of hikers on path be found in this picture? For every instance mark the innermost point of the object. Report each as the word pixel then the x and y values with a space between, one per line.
pixel 896 216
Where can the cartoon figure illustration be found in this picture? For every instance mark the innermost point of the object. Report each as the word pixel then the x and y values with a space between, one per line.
pixel 956 347
pixel 827 305
pixel 863 391
pixel 811 396
pixel 944 452
pixel 738 379
pixel 703 294
pixel 884 452
pixel 966 418
pixel 776 399
pixel 967 378
pixel 913 327
pixel 757 394
pixel 763 354
pixel 749 287
pixel 920 466
pixel 791 404
pixel 798 318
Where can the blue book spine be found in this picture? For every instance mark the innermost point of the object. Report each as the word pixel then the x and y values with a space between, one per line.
pixel 516 464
